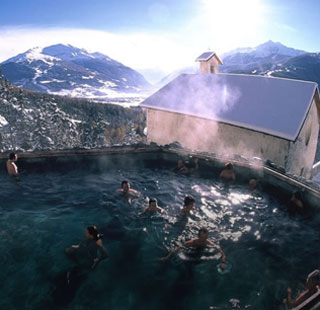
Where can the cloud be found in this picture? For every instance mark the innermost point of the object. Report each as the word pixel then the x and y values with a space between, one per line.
pixel 137 50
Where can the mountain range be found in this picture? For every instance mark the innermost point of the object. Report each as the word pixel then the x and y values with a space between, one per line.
pixel 269 59
pixel 71 71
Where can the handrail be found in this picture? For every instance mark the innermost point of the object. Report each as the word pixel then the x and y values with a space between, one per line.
pixel 311 298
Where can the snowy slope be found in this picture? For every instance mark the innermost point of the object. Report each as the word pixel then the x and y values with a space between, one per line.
pixel 30 121
pixel 70 71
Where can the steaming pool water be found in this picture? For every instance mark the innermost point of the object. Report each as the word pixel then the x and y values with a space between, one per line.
pixel 56 199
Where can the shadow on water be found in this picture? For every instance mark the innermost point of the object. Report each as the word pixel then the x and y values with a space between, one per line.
pixel 66 285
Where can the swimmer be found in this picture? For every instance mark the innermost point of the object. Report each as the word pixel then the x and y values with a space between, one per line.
pixel 295 205
pixel 252 184
pixel 188 205
pixel 153 206
pixel 88 248
pixel 11 166
pixel 195 165
pixel 227 175
pixel 181 167
pixel 312 285
pixel 126 189
pixel 198 243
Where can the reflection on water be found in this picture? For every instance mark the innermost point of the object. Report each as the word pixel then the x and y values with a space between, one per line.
pixel 47 212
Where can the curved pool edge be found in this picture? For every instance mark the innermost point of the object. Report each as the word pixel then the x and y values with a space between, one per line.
pixel 271 176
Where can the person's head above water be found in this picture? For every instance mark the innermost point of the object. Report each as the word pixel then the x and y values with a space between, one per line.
pixel 189 202
pixel 228 166
pixel 91 232
pixel 180 163
pixel 13 156
pixel 252 184
pixel 203 233
pixel 125 186
pixel 297 195
pixel 153 202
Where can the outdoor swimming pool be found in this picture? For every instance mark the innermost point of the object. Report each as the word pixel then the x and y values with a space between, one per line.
pixel 57 198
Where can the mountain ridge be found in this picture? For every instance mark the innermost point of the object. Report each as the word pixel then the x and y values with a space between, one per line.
pixel 68 70
pixel 269 59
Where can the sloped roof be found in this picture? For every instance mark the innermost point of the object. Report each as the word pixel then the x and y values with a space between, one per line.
pixel 207 55
pixel 270 105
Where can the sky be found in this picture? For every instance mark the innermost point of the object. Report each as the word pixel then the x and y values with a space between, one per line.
pixel 157 37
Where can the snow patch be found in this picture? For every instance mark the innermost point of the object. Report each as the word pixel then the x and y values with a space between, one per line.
pixel 3 121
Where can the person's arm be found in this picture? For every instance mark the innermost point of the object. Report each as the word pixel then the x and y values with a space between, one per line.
pixel 223 255
pixel 161 210
pixel 223 259
pixel 15 169
pixel 162 259
pixel 135 192
pixel 186 244
pixel 289 297
pixel 103 251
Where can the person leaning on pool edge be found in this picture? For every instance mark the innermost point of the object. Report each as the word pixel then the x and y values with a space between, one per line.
pixel 11 166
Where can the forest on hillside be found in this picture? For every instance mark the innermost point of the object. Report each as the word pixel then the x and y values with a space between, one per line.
pixel 31 121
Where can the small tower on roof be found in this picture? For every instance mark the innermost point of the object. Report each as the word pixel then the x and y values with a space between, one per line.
pixel 209 62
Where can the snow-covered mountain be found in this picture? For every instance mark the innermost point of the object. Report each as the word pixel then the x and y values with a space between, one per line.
pixel 304 67
pixel 268 49
pixel 250 60
pixel 267 53
pixel 67 70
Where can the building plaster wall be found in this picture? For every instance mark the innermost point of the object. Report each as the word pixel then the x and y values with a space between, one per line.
pixel 302 152
pixel 211 136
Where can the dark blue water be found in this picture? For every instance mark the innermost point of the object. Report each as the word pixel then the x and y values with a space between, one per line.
pixel 55 200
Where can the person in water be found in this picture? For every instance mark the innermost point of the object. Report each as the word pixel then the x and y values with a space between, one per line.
pixel 86 253
pixel 184 169
pixel 153 206
pixel 227 175
pixel 198 243
pixel 312 286
pixel 295 205
pixel 127 190
pixel 181 167
pixel 11 166
pixel 252 184
pixel 188 205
